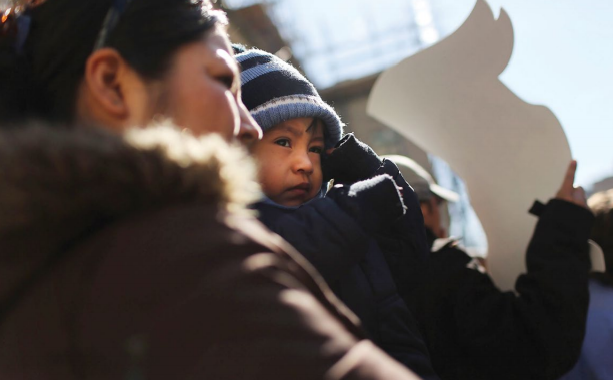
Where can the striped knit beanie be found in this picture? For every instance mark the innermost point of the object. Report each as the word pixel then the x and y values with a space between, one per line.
pixel 274 92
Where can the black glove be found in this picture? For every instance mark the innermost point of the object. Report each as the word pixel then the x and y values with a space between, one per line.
pixel 351 161
pixel 374 203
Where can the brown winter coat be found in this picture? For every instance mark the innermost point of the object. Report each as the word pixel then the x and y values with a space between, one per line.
pixel 130 257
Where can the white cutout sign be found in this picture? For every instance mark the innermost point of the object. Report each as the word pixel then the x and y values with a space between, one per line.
pixel 448 100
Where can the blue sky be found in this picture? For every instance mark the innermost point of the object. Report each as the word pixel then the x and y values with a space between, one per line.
pixel 563 56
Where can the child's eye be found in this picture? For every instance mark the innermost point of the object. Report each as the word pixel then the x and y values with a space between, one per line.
pixel 316 149
pixel 282 142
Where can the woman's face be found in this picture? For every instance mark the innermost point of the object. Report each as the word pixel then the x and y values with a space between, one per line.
pixel 201 91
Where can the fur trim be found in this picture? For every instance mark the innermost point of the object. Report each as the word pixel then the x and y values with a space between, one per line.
pixel 51 176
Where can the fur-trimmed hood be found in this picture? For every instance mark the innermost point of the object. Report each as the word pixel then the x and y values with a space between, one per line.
pixel 58 184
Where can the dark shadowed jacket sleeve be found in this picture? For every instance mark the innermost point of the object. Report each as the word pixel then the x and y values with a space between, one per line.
pixel 475 331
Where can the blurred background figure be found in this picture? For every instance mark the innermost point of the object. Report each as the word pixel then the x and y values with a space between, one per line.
pixel 475 331
pixel 596 358
pixel 432 197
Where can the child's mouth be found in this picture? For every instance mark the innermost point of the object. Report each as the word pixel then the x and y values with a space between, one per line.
pixel 300 189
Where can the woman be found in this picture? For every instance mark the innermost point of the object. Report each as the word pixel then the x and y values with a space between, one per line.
pixel 124 251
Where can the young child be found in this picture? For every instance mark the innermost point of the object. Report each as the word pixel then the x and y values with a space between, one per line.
pixel 336 231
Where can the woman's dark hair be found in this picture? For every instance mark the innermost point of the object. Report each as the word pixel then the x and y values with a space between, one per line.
pixel 41 81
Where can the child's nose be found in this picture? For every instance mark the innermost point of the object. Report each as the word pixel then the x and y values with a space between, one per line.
pixel 303 163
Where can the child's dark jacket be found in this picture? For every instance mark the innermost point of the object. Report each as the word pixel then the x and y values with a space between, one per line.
pixel 364 259
pixel 403 243
pixel 353 265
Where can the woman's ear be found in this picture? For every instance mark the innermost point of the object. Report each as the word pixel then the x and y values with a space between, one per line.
pixel 104 72
pixel 112 94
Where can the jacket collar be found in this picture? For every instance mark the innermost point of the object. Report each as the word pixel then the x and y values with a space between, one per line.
pixel 58 184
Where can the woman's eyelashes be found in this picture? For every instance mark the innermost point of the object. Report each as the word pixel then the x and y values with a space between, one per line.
pixel 227 81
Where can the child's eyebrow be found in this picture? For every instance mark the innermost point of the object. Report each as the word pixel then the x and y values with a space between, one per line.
pixel 317 139
pixel 313 124
pixel 311 129
pixel 291 129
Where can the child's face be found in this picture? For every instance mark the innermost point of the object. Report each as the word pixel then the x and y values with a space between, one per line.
pixel 289 158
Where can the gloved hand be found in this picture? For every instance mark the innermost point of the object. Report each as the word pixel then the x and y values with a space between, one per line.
pixel 350 161
pixel 374 203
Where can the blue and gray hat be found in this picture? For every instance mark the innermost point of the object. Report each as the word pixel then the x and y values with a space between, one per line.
pixel 274 92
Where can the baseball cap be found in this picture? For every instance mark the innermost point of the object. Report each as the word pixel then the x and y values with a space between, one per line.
pixel 420 180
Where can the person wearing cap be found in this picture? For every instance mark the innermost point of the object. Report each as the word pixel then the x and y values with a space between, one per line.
pixel 475 331
pixel 429 194
pixel 334 232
